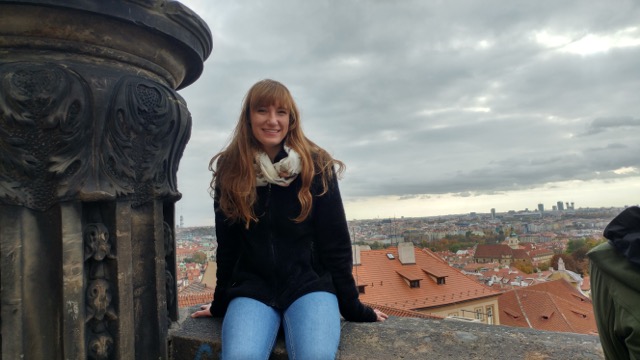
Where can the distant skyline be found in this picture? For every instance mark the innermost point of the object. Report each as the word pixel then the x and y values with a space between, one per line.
pixel 435 107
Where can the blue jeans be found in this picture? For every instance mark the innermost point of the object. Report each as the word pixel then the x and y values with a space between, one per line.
pixel 311 328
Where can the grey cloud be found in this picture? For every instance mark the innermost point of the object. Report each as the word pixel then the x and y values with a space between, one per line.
pixel 600 125
pixel 409 96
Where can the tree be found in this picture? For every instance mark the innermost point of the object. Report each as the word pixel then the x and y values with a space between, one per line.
pixel 575 244
pixel 569 263
pixel 524 266
pixel 543 266
pixel 199 257
pixel 590 243
pixel 579 254
pixel 454 248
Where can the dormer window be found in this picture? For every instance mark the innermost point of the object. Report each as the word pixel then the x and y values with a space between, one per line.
pixel 411 277
pixel 578 297
pixel 438 278
pixel 547 315
pixel 512 314
pixel 580 314
pixel 361 289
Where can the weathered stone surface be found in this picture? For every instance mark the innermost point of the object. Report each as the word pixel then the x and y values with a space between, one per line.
pixel 406 338
pixel 91 134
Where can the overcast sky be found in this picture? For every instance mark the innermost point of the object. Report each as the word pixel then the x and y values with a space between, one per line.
pixel 436 107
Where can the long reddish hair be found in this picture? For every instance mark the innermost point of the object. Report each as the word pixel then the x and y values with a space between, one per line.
pixel 234 178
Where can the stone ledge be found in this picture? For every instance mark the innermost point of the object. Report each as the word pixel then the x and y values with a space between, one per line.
pixel 409 338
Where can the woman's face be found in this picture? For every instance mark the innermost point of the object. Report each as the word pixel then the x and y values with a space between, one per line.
pixel 270 125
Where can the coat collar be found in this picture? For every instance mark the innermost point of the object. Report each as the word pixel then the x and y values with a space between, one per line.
pixel 623 233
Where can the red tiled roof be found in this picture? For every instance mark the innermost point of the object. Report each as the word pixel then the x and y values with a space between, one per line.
pixel 195 294
pixel 552 306
pixel 492 251
pixel 411 274
pixel 196 288
pixel 193 299
pixel 520 254
pixel 403 313
pixel 527 246
pixel 386 287
pixel 435 272
pixel 540 252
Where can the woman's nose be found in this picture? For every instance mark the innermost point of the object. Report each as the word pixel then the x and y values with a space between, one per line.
pixel 272 116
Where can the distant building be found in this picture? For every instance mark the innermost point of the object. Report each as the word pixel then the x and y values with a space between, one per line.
pixel 507 253
pixel 571 277
pixel 550 306
pixel 407 278
pixel 200 292
pixel 560 206
pixel 539 256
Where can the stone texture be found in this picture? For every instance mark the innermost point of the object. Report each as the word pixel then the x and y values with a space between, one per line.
pixel 408 338
pixel 91 134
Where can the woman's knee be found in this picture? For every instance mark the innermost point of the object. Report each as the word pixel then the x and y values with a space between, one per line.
pixel 244 352
pixel 312 351
pixel 312 327
pixel 249 330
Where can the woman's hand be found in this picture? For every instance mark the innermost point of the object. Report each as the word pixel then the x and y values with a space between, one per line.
pixel 205 311
pixel 381 316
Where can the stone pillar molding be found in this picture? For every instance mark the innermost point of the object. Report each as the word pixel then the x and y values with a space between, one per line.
pixel 91 134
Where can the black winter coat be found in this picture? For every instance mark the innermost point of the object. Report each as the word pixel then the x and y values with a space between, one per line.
pixel 277 260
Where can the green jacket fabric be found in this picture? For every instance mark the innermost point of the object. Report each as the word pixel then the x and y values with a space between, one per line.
pixel 615 292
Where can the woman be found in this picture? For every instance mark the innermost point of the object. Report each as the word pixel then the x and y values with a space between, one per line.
pixel 284 252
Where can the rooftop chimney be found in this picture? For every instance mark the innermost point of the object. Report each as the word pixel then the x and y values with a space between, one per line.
pixel 406 254
pixel 355 249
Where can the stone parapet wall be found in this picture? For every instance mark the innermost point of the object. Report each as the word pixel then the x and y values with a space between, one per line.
pixel 409 338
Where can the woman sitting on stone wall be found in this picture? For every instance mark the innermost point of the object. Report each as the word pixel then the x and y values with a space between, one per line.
pixel 284 251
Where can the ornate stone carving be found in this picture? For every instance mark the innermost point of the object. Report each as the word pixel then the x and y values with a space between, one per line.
pixel 169 242
pixel 99 308
pixel 170 287
pixel 100 344
pixel 99 301
pixel 170 281
pixel 146 131
pixel 43 134
pixel 96 242
pixel 47 151
pixel 91 126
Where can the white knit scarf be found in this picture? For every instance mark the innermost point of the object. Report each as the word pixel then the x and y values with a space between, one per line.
pixel 281 173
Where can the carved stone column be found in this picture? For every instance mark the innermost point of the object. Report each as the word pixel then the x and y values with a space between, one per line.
pixel 91 134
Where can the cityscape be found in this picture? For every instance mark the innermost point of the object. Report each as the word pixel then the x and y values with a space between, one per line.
pixel 474 267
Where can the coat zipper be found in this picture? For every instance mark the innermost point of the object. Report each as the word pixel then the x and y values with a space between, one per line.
pixel 273 249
